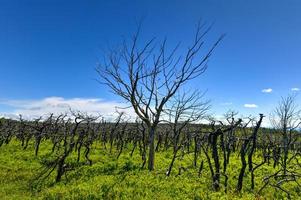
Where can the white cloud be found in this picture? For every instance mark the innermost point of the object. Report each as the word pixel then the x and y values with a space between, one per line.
pixel 295 89
pixel 58 105
pixel 9 115
pixel 267 90
pixel 250 105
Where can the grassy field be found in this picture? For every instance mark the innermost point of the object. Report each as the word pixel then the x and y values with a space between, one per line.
pixel 109 178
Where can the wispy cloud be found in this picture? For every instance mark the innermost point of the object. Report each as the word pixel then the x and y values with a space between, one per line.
pixel 226 104
pixel 250 105
pixel 58 105
pixel 267 90
pixel 295 89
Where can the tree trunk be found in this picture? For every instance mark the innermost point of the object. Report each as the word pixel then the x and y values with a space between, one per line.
pixel 285 156
pixel 60 169
pixel 216 177
pixel 151 155
pixel 172 163
pixel 243 164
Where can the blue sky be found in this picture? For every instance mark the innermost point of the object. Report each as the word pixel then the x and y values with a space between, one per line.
pixel 49 49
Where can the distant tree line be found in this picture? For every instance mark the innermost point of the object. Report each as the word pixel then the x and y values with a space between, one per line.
pixel 211 144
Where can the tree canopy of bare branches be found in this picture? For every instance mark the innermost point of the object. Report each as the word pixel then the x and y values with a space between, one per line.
pixel 147 75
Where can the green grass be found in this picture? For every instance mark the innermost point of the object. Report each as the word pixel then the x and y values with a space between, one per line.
pixel 109 178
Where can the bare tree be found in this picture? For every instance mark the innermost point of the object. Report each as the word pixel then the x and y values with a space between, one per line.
pixel 286 119
pixel 148 75
pixel 186 109
pixel 249 143
pixel 211 146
